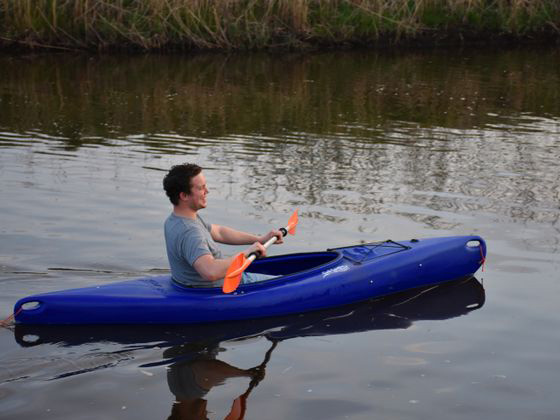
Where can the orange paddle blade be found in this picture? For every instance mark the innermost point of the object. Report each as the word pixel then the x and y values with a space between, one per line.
pixel 236 410
pixel 233 274
pixel 292 223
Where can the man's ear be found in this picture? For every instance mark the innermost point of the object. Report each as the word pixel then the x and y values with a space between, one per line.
pixel 183 196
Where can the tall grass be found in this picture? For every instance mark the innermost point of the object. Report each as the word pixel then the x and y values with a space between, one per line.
pixel 257 24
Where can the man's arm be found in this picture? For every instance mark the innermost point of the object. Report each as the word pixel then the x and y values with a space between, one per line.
pixel 214 269
pixel 229 236
pixel 210 268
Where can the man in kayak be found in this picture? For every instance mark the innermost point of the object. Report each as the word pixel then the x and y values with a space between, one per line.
pixel 194 258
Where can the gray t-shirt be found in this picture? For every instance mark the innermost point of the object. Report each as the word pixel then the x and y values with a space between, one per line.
pixel 187 240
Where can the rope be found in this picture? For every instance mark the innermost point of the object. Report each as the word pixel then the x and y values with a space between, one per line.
pixel 6 323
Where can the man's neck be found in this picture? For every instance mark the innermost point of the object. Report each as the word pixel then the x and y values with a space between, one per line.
pixel 184 212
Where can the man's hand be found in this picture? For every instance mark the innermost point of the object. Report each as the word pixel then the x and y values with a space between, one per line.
pixel 257 248
pixel 257 373
pixel 272 234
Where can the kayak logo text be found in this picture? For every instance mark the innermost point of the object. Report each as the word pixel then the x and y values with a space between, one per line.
pixel 340 269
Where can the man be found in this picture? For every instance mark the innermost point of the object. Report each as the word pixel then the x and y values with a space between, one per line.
pixel 194 257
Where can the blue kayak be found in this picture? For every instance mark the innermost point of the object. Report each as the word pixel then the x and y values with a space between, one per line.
pixel 305 282
pixel 397 311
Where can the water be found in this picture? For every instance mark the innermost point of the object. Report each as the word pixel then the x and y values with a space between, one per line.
pixel 368 146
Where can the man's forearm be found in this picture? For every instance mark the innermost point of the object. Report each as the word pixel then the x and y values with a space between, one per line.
pixel 229 236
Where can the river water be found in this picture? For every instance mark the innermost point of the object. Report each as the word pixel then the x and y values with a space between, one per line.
pixel 368 146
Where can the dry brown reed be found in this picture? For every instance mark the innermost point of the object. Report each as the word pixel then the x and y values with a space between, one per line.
pixel 255 24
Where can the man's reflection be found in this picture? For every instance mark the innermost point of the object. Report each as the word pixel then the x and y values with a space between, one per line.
pixel 191 378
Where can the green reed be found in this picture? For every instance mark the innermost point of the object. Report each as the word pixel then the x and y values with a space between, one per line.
pixel 254 24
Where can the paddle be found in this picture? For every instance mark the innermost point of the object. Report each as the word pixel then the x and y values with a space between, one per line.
pixel 239 406
pixel 240 262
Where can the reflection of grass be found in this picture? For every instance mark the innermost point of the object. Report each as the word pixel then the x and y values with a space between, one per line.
pixel 215 95
pixel 250 24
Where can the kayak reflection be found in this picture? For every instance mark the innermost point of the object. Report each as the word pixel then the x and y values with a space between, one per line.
pixel 191 352
pixel 191 379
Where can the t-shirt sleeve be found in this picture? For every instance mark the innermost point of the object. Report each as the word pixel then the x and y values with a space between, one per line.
pixel 208 226
pixel 194 246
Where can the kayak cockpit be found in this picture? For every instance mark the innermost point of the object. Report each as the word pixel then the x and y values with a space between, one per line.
pixel 290 267
pixel 285 265
pixel 280 267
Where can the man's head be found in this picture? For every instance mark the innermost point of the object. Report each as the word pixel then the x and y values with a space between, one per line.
pixel 178 183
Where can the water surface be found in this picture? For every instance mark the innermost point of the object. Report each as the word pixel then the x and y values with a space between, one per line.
pixel 368 146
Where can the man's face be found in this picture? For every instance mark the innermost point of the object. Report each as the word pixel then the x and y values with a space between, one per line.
pixel 197 198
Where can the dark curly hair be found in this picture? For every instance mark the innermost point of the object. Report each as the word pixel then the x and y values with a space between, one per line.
pixel 178 180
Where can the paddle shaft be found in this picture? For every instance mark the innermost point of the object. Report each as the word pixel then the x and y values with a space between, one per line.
pixel 253 255
pixel 241 262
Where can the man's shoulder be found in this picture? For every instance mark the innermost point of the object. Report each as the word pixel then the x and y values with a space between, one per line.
pixel 172 220
pixel 178 224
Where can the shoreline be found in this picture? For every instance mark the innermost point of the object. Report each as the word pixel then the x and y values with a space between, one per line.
pixel 275 25
pixel 487 40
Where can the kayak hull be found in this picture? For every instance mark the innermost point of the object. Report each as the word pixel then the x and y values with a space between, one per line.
pixel 305 282
pixel 398 311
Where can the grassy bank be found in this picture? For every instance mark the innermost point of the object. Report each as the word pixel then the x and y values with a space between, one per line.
pixel 254 24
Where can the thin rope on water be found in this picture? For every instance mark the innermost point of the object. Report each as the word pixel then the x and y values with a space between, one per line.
pixel 483 258
pixel 8 322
